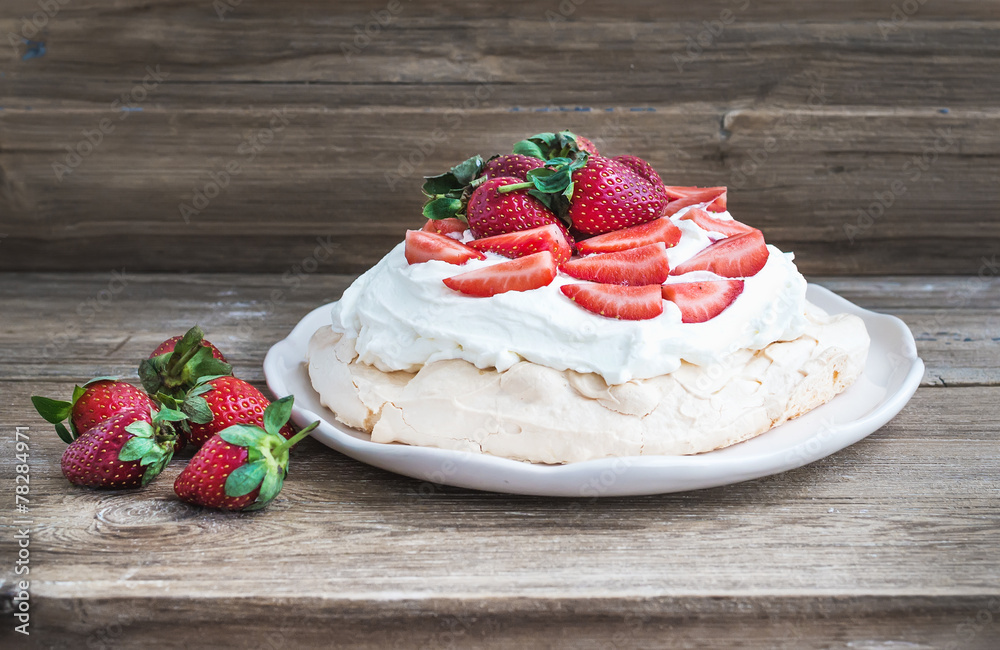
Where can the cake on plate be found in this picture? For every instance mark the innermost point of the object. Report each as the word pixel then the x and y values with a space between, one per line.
pixel 560 306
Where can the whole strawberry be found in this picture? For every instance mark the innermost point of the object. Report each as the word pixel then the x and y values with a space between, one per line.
pixel 644 169
pixel 586 145
pixel 179 362
pixel 170 344
pixel 219 402
pixel 492 212
pixel 91 404
pixel 511 166
pixel 610 196
pixel 127 450
pixel 243 466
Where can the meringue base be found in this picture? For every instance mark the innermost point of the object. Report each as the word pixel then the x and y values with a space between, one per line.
pixel 533 413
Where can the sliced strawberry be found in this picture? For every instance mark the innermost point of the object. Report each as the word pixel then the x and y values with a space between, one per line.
pixel 527 242
pixel 702 301
pixel 711 224
pixel 658 230
pixel 714 197
pixel 444 226
pixel 617 301
pixel 422 246
pixel 740 256
pixel 635 266
pixel 523 274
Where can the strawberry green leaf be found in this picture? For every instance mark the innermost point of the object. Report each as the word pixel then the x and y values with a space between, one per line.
pixel 64 433
pixel 528 148
pixel 243 435
pixel 198 410
pixel 270 487
pixel 140 429
pixel 442 208
pixel 95 380
pixel 135 449
pixel 467 170
pixel 203 364
pixel 245 479
pixel 149 375
pixel 277 414
pixel 442 185
pixel 52 410
pixel 166 414
pixel 154 469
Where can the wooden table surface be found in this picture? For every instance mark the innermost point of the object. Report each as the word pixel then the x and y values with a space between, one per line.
pixel 236 163
pixel 889 543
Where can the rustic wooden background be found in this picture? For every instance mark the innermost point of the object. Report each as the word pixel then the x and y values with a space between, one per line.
pixel 822 117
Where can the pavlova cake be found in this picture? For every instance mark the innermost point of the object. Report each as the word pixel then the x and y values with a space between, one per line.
pixel 559 306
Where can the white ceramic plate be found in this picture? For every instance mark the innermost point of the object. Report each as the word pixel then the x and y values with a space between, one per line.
pixel 891 376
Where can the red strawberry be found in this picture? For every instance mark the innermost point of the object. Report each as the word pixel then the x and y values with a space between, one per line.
pixel 707 222
pixel 217 403
pixel 617 301
pixel 526 242
pixel 511 166
pixel 740 256
pixel 657 230
pixel 444 226
pixel 714 197
pixel 609 195
pixel 243 466
pixel 424 246
pixel 97 401
pixel 491 212
pixel 178 363
pixel 702 301
pixel 635 266
pixel 127 450
pixel 171 343
pixel 644 169
pixel 523 274
pixel 584 144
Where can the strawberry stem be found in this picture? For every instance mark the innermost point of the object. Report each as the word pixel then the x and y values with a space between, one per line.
pixel 515 187
pixel 291 442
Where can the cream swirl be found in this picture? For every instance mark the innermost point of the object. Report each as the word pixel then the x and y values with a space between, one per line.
pixel 403 316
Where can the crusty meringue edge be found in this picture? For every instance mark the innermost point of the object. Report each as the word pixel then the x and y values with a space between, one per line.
pixel 533 413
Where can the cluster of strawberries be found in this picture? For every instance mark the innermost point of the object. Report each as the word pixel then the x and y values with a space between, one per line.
pixel 122 437
pixel 555 194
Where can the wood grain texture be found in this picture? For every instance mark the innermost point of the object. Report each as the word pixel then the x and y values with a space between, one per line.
pixel 820 188
pixel 102 321
pixel 890 541
pixel 816 122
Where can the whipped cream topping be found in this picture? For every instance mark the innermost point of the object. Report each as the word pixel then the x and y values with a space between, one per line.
pixel 403 316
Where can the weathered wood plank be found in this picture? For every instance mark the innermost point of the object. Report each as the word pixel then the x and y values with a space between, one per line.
pixel 644 53
pixel 890 538
pixel 851 192
pixel 98 324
